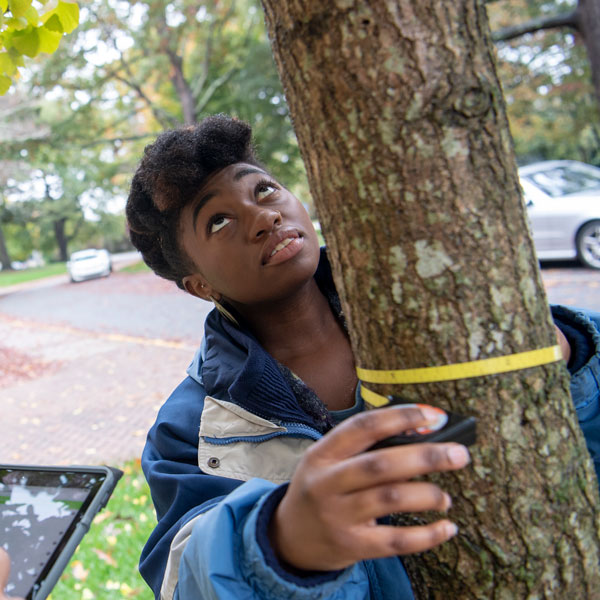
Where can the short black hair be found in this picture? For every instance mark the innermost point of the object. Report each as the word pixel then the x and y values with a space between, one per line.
pixel 169 176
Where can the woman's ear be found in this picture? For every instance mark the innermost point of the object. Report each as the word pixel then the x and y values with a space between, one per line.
pixel 196 286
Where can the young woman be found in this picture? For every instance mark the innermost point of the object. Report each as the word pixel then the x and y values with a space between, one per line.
pixel 257 461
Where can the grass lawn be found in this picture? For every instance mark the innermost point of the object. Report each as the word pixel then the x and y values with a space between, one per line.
pixel 104 565
pixel 136 267
pixel 13 277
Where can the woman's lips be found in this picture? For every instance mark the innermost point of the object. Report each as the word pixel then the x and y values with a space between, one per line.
pixel 284 250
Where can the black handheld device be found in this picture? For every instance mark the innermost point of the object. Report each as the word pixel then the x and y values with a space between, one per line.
pixel 450 427
pixel 44 513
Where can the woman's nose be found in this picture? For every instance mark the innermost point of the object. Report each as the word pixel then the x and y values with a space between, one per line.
pixel 264 221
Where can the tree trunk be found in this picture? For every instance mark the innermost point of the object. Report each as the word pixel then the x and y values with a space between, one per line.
pixel 4 256
pixel 589 25
pixel 61 238
pixel 401 123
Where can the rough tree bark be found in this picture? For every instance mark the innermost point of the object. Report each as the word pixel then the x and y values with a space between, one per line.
pixel 402 127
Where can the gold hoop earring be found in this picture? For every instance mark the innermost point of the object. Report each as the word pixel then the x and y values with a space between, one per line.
pixel 224 312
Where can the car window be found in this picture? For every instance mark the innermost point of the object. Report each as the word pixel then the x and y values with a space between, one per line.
pixel 561 181
pixel 82 257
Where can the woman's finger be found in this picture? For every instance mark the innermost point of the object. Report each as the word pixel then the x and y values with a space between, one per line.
pixel 360 432
pixel 394 464
pixel 414 496
pixel 4 571
pixel 387 540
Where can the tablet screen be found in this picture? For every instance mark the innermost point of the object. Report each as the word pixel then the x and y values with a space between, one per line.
pixel 38 511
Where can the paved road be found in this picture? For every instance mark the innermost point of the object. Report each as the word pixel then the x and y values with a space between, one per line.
pixel 130 303
pixel 572 285
pixel 85 367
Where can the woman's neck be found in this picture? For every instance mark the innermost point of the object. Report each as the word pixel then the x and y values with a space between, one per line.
pixel 302 333
pixel 292 327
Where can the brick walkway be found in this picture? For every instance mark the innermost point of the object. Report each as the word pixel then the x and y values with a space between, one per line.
pixel 87 394
pixel 86 397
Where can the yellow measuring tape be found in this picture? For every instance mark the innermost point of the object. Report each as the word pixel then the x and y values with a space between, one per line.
pixel 466 370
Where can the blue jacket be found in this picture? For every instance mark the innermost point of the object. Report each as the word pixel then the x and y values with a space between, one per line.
pixel 214 487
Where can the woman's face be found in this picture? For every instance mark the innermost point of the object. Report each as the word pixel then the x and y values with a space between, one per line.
pixel 249 238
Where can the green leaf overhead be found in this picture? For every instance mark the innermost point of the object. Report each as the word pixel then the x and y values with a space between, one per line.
pixel 67 14
pixel 27 42
pixel 7 65
pixel 32 16
pixel 4 84
pixel 54 24
pixel 18 8
pixel 31 27
pixel 49 40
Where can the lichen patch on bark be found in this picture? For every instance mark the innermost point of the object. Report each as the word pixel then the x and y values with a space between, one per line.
pixel 432 259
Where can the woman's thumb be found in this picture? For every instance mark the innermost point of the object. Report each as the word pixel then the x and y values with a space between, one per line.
pixel 4 571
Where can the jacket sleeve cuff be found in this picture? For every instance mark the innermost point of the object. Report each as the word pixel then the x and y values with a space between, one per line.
pixel 578 335
pixel 278 579
pixel 582 330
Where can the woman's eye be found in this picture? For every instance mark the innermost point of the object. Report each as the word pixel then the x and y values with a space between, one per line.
pixel 264 190
pixel 218 223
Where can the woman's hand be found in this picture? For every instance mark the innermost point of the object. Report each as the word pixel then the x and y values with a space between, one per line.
pixel 327 518
pixel 4 574
pixel 565 347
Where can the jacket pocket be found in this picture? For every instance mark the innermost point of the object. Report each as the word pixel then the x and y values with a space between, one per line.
pixel 238 444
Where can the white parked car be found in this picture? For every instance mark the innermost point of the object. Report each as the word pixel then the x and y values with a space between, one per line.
pixel 87 264
pixel 563 204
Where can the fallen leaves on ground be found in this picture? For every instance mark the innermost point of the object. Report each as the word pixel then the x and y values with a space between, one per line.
pixel 15 365
pixel 106 557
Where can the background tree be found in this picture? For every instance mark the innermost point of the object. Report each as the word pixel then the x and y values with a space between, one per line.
pixel 401 124
pixel 16 123
pixel 545 68
pixel 584 19
pixel 5 216
pixel 52 182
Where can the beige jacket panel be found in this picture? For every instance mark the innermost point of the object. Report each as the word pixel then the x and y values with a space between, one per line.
pixel 274 459
pixel 167 590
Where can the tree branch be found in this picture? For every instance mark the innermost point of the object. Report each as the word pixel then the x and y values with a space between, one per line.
pixel 212 88
pixel 223 79
pixel 213 39
pixel 199 84
pixel 169 46
pixel 547 22
pixel 166 120
pixel 183 87
pixel 160 115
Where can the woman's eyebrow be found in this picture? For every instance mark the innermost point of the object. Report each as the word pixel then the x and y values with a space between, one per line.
pixel 247 171
pixel 199 206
